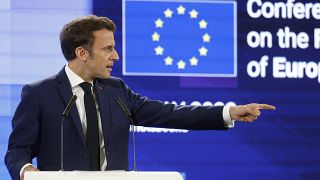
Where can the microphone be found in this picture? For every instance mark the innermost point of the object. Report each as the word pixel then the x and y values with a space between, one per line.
pixel 69 105
pixel 128 114
pixel 64 116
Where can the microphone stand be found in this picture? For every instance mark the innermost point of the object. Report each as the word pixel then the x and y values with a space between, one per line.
pixel 128 114
pixel 64 116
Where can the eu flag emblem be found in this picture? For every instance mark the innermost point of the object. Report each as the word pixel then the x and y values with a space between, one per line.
pixel 172 38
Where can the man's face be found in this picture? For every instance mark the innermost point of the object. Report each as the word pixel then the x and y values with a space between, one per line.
pixel 99 64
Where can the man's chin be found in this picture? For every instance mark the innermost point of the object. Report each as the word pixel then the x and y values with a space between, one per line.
pixel 105 76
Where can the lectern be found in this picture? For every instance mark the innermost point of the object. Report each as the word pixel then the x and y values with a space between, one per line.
pixel 101 175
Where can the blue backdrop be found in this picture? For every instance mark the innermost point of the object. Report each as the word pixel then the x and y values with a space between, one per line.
pixel 283 144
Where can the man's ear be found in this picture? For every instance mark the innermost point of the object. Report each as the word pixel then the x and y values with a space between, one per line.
pixel 81 53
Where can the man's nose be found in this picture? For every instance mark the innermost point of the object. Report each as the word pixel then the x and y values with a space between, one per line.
pixel 115 56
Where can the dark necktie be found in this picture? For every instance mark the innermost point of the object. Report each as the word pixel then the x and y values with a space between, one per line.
pixel 92 138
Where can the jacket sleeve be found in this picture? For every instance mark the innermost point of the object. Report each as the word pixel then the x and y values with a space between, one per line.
pixel 23 141
pixel 154 113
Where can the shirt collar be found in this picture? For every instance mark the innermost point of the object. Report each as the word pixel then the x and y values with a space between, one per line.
pixel 74 79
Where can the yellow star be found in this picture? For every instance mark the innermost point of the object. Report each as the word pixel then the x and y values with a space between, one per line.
pixel 193 14
pixel 181 64
pixel 206 37
pixel 168 13
pixel 203 51
pixel 155 36
pixel 159 23
pixel 181 10
pixel 159 50
pixel 203 24
pixel 193 61
pixel 168 61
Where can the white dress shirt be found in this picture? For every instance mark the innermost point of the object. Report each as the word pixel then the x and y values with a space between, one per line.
pixel 228 122
pixel 75 80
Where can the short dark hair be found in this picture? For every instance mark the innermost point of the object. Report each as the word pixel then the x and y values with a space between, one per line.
pixel 79 32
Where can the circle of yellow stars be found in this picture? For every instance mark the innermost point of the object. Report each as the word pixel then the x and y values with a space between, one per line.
pixel 159 50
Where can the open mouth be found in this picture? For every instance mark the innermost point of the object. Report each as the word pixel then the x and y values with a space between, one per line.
pixel 109 67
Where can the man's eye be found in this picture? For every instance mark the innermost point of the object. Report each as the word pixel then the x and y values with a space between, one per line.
pixel 109 50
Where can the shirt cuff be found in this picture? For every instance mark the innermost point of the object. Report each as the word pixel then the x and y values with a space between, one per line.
pixel 23 167
pixel 228 122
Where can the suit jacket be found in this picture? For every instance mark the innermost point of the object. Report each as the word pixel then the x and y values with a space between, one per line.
pixel 36 124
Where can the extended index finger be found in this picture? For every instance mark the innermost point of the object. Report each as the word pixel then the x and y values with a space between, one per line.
pixel 266 106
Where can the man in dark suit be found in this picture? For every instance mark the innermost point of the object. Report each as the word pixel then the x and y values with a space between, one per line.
pixel 96 139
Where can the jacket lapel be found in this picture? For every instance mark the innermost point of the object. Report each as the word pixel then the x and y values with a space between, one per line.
pixel 65 91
